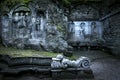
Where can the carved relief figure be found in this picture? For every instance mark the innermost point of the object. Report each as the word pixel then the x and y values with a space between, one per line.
pixel 71 28
pixel 16 20
pixel 94 31
pixel 82 31
pixel 5 23
pixel 20 24
pixel 38 22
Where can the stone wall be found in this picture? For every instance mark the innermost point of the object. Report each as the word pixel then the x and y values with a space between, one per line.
pixel 84 12
pixel 112 33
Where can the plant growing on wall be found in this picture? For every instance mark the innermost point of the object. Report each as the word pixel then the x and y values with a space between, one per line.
pixel 8 4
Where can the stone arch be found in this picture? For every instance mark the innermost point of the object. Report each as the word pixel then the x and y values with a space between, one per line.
pixel 18 8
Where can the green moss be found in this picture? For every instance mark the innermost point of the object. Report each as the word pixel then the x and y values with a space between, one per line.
pixel 25 1
pixel 29 53
pixel 50 54
pixel 67 2
pixel 59 28
pixel 72 57
pixel 25 53
pixel 11 3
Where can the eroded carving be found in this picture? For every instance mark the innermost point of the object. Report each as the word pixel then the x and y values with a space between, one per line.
pixel 61 62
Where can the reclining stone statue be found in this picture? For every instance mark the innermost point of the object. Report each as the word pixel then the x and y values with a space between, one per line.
pixel 60 62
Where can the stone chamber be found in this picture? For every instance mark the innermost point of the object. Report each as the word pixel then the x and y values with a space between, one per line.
pixel 83 34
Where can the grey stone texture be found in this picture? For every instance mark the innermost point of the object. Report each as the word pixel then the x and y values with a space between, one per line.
pixel 84 12
pixel 60 62
pixel 103 65
pixel 112 33
pixel 40 25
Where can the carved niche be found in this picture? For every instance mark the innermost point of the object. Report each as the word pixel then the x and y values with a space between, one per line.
pixel 23 25
pixel 85 31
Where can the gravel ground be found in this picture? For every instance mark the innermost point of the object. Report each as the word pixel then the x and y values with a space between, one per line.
pixel 104 65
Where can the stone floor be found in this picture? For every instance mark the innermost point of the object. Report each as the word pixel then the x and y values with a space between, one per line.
pixel 104 65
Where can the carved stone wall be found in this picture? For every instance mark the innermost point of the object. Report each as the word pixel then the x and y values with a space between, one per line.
pixel 84 25
pixel 85 31
pixel 22 26
pixel 40 25
pixel 44 25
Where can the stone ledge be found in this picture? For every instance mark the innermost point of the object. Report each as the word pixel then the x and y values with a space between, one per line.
pixel 14 66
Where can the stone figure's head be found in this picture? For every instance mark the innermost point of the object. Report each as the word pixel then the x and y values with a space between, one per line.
pixel 27 13
pixel 60 56
pixel 82 25
pixel 21 14
pixel 16 14
pixel 93 24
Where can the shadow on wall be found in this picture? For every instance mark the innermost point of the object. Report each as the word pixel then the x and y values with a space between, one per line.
pixel 0 30
pixel 0 36
pixel 0 40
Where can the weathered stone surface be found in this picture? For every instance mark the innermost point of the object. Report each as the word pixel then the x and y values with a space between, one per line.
pixel 84 12
pixel 85 32
pixel 22 67
pixel 60 62
pixel 35 26
pixel 111 33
